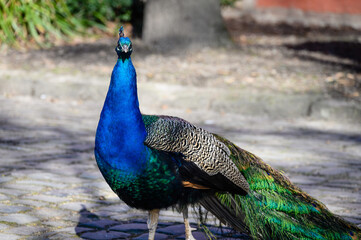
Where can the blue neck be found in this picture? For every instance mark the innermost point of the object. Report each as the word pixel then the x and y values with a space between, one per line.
pixel 121 132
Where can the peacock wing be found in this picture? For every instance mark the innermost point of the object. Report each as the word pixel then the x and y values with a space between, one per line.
pixel 206 160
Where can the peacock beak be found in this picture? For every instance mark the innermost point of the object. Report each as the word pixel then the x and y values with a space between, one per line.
pixel 125 48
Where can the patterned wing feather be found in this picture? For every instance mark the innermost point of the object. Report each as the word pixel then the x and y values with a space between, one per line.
pixel 198 146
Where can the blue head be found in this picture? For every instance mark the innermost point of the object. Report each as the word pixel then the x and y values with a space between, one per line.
pixel 124 47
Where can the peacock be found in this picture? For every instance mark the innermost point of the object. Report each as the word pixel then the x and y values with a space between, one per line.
pixel 155 162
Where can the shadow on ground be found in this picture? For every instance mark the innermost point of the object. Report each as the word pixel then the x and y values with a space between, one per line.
pixel 92 226
pixel 340 49
pixel 343 49
pixel 247 25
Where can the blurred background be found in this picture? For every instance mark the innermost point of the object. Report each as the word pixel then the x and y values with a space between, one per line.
pixel 280 78
pixel 283 46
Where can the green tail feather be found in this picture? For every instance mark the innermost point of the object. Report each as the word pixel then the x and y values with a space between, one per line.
pixel 277 209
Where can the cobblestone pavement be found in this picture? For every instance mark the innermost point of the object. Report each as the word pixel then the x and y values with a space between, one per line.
pixel 52 189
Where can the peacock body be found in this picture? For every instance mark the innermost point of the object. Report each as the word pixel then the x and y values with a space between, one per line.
pixel 155 162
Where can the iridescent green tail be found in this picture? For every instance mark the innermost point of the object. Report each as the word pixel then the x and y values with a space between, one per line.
pixel 277 209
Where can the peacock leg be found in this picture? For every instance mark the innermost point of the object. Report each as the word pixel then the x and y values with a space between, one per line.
pixel 187 226
pixel 152 222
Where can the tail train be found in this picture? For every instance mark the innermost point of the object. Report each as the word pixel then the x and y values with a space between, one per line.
pixel 275 208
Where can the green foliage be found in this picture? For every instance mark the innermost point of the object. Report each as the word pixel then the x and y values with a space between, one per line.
pixel 98 12
pixel 25 22
pixel 42 21
pixel 227 2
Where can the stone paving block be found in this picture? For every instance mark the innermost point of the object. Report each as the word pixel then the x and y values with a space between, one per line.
pixel 29 202
pixel 173 230
pixel 110 198
pixel 82 147
pixel 105 214
pixel 65 161
pixel 58 223
pixel 51 165
pixel 42 183
pixel 98 224
pixel 5 236
pixel 79 167
pixel 130 227
pixel 24 173
pixel 145 220
pixel 98 184
pixel 46 213
pixel 333 171
pixel 356 174
pixel 160 224
pixel 335 209
pixel 101 196
pixel 19 218
pixel 61 235
pixel 14 192
pixel 68 179
pixel 67 172
pixel 3 226
pixel 158 236
pixel 197 235
pixel 5 179
pixel 45 176
pixel 220 230
pixel 175 218
pixel 117 208
pixel 352 220
pixel 306 180
pixel 72 217
pixel 48 198
pixel 128 216
pixel 77 206
pixel 233 236
pixel 170 212
pixel 26 230
pixel 76 230
pixel 47 235
pixel 305 169
pixel 104 235
pixel 3 197
pixel 241 237
pixel 29 188
pixel 91 175
pixel 12 208
pixel 64 192
pixel 342 183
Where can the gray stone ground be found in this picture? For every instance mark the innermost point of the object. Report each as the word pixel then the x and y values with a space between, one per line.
pixel 52 189
pixel 260 98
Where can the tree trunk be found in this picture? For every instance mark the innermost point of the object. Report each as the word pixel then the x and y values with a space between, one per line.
pixel 184 24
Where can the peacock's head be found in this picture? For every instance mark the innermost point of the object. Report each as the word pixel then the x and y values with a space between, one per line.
pixel 124 47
